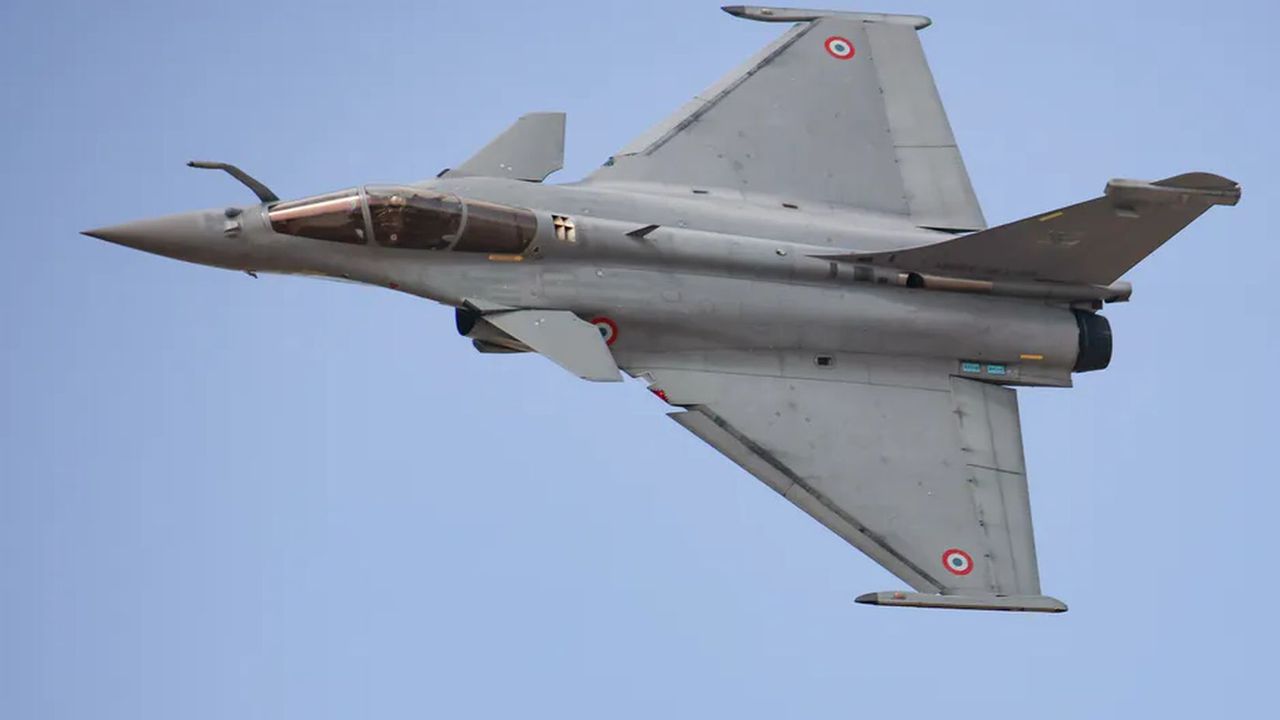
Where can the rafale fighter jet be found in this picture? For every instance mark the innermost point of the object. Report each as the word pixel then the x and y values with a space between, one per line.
pixel 795 261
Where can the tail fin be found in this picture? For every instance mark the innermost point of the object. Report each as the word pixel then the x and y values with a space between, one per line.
pixel 1091 243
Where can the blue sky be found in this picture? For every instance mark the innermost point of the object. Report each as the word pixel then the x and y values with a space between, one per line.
pixel 222 497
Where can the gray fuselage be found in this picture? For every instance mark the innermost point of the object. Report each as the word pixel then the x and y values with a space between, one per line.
pixel 709 277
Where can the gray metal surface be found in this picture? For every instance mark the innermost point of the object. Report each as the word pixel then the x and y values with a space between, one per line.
pixel 778 261
pixel 529 150
pixel 784 14
pixel 256 186
pixel 938 191
pixel 901 459
pixel 563 338
pixel 1093 242
pixel 1036 603
pixel 841 111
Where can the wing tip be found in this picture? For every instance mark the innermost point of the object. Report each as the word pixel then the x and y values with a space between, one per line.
pixel 779 14
pixel 1006 603
pixel 1205 181
pixel 1206 187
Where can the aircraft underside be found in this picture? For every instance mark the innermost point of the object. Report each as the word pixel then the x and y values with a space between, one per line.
pixel 795 261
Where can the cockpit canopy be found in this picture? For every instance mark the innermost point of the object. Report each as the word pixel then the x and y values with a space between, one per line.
pixel 407 218
pixel 336 217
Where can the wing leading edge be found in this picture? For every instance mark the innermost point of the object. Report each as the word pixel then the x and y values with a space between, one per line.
pixel 920 470
pixel 841 110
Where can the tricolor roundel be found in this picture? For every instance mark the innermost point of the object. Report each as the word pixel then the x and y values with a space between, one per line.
pixel 957 562
pixel 608 329
pixel 840 48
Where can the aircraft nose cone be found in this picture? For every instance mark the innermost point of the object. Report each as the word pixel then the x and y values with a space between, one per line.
pixel 189 236
pixel 115 233
pixel 154 232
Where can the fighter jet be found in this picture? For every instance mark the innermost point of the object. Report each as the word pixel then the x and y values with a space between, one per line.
pixel 795 261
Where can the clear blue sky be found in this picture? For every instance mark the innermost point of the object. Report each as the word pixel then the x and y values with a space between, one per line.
pixel 228 498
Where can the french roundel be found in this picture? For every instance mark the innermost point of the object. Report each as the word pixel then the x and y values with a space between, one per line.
pixel 957 562
pixel 840 48
pixel 608 329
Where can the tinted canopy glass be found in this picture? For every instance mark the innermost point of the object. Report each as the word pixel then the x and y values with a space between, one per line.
pixel 499 229
pixel 337 217
pixel 405 217
pixel 409 218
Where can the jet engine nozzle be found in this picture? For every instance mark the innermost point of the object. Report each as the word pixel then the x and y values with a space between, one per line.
pixel 1095 342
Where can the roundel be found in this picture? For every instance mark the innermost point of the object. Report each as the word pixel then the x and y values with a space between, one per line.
pixel 840 48
pixel 608 329
pixel 957 562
